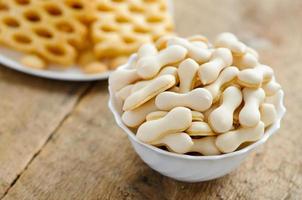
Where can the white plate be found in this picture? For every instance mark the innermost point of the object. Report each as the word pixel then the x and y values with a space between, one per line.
pixel 10 58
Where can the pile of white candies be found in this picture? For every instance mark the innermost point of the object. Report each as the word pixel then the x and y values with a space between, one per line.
pixel 192 96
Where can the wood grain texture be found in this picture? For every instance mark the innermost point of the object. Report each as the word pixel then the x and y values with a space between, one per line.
pixel 89 157
pixel 30 110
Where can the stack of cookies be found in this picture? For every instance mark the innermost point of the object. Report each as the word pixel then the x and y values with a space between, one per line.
pixel 97 35
pixel 190 96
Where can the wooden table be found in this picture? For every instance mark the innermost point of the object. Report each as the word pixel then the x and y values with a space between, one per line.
pixel 58 140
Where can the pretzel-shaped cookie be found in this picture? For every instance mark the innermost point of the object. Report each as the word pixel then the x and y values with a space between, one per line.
pixel 187 71
pixel 221 119
pixel 230 141
pixel 122 77
pixel 198 54
pixel 200 129
pixel 149 66
pixel 230 41
pixel 175 142
pixel 255 77
pixel 167 70
pixel 141 96
pixel 177 120
pixel 206 146
pixel 134 118
pixel 268 114
pixel 249 115
pixel 198 99
pixel 226 76
pixel 196 116
pixel 221 58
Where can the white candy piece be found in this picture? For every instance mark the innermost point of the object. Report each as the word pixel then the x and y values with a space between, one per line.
pixel 230 141
pixel 226 76
pixel 198 99
pixel 198 38
pixel 149 66
pixel 124 92
pixel 141 96
pixel 255 77
pixel 156 115
pixel 221 119
pixel 187 71
pixel 196 116
pixel 271 88
pixel 122 77
pixel 198 54
pixel 253 52
pixel 177 120
pixel 249 115
pixel 220 59
pixel 268 114
pixel 147 50
pixel 134 118
pixel 165 71
pixel 230 41
pixel 176 142
pixel 206 146
pixel 247 60
pixel 200 129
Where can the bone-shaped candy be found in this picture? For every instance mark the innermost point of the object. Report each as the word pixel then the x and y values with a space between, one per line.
pixel 206 146
pixel 247 60
pixel 174 89
pixel 136 117
pixel 146 50
pixel 149 66
pixel 253 52
pixel 230 141
pixel 220 59
pixel 167 70
pixel 187 75
pixel 271 88
pixel 230 41
pixel 198 54
pixel 161 43
pixel 176 142
pixel 177 120
pixel 226 76
pixel 202 45
pixel 156 115
pixel 196 116
pixel 249 115
pixel 221 119
pixel 198 38
pixel 268 114
pixel 200 129
pixel 124 92
pixel 122 77
pixel 141 96
pixel 198 99
pixel 254 77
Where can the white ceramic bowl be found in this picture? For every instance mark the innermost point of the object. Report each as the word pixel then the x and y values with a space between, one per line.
pixel 192 168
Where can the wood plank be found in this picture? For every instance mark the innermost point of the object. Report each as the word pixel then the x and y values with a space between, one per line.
pixel 30 110
pixel 90 158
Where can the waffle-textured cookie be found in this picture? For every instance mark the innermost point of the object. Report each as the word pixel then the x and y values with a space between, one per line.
pixel 51 29
pixel 121 26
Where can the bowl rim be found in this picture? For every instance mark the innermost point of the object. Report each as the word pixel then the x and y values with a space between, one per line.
pixel 271 130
